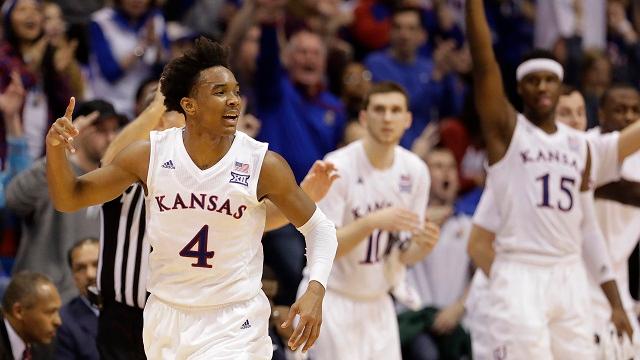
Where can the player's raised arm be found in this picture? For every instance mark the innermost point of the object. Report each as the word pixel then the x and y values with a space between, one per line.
pixel 70 193
pixel 497 116
pixel 278 184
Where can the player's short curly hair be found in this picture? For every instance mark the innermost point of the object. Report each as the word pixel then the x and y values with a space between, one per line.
pixel 181 74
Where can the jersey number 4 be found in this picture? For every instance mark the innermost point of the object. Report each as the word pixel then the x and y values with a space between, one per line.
pixel 566 185
pixel 201 253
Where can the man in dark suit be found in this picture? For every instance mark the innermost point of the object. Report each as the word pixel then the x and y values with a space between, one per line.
pixel 29 318
pixel 77 336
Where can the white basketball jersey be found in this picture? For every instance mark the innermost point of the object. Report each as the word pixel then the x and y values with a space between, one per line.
pixel 536 186
pixel 605 166
pixel 372 268
pixel 620 225
pixel 204 226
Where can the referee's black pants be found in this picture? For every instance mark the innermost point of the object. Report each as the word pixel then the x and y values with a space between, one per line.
pixel 120 332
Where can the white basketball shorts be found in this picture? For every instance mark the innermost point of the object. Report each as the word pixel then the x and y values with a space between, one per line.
pixel 540 312
pixel 234 331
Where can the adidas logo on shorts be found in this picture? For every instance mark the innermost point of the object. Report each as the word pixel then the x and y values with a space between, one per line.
pixel 246 325
pixel 168 165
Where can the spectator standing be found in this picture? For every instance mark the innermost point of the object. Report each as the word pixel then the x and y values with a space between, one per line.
pixel 128 43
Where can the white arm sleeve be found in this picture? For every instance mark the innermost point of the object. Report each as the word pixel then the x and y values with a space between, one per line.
pixel 322 243
pixel 594 248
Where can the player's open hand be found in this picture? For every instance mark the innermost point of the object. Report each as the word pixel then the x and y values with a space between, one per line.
pixel 63 131
pixel 319 179
pixel 395 219
pixel 621 322
pixel 309 308
pixel 427 237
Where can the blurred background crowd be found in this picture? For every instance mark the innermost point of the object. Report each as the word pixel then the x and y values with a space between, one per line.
pixel 303 68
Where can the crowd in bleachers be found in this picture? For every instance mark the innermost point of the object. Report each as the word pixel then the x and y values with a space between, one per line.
pixel 303 68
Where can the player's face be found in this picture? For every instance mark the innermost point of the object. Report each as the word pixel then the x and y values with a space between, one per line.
pixel 215 102
pixel 540 91
pixel 444 176
pixel 387 117
pixel 571 111
pixel 84 266
pixel 41 319
pixel 621 109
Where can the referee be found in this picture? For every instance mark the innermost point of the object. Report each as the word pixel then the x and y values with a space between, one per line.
pixel 124 250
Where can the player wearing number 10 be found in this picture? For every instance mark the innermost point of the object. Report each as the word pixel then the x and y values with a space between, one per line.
pixel 205 187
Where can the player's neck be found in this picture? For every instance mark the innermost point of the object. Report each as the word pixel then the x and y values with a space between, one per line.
pixel 546 123
pixel 380 155
pixel 205 149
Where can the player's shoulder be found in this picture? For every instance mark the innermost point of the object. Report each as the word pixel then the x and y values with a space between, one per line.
pixel 345 154
pixel 411 161
pixel 250 143
pixel 158 135
pixel 345 159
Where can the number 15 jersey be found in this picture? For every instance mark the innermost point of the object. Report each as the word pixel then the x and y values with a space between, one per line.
pixel 537 186
pixel 204 226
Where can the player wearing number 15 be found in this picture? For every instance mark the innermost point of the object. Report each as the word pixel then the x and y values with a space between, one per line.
pixel 539 173
pixel 206 186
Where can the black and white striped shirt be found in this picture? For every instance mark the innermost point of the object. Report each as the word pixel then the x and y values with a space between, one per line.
pixel 124 249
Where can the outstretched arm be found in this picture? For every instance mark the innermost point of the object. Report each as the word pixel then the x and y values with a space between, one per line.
pixel 70 193
pixel 623 191
pixel 278 184
pixel 629 141
pixel 497 116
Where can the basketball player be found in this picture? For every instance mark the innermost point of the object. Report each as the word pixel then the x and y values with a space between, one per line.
pixel 377 203
pixel 611 145
pixel 538 286
pixel 204 185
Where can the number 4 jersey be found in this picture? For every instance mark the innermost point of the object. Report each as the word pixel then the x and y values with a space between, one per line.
pixel 204 226
pixel 372 268
pixel 537 187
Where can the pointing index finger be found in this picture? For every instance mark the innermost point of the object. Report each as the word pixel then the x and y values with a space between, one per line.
pixel 69 112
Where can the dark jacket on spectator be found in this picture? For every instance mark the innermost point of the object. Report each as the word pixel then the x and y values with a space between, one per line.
pixel 76 337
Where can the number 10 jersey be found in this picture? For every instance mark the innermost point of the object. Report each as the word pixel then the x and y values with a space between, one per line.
pixel 537 187
pixel 204 226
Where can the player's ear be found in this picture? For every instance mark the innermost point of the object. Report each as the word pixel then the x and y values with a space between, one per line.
pixel 188 105
pixel 409 120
